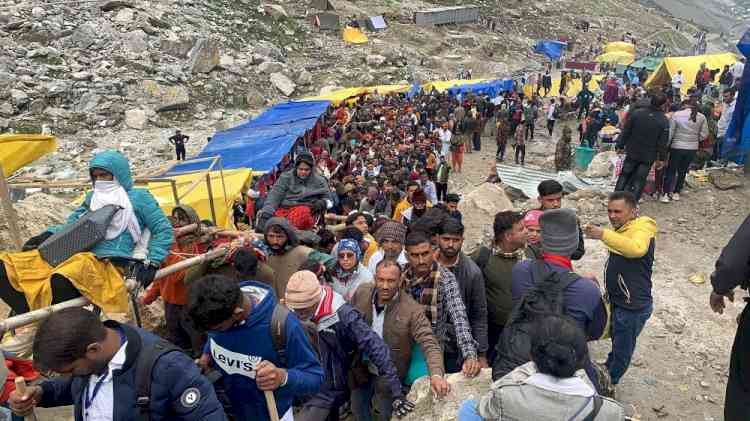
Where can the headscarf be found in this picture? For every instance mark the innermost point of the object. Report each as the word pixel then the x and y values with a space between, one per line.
pixel 112 193
pixel 340 274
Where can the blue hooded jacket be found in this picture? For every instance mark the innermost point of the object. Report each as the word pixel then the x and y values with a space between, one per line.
pixel 238 350
pixel 146 209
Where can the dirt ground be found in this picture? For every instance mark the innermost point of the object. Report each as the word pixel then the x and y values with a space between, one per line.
pixel 679 370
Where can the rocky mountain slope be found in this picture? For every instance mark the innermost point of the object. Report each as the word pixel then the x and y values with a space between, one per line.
pixel 124 73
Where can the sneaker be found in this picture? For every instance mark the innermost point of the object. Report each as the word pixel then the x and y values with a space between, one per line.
pixel 664 199
pixel 676 197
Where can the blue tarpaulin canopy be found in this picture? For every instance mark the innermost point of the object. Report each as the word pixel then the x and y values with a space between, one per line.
pixel 552 49
pixel 737 140
pixel 492 88
pixel 414 91
pixel 261 143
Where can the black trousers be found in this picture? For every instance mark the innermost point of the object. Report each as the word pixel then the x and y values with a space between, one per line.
pixel 550 126
pixel 520 151
pixel 529 129
pixel 442 191
pixel 501 150
pixel 493 337
pixel 180 151
pixel 633 177
pixel 583 109
pixel 476 138
pixel 737 401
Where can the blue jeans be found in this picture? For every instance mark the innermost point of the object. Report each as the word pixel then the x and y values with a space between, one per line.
pixel 626 326
pixel 362 398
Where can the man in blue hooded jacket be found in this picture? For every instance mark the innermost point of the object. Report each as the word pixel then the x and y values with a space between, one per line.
pixel 240 345
pixel 139 230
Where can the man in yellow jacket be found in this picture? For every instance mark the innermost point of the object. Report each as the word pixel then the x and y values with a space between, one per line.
pixel 631 243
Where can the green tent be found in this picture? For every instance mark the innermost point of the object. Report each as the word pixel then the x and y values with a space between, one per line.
pixel 650 63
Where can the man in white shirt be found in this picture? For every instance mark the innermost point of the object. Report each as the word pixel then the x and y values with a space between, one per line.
pixel 723 124
pixel 551 116
pixel 738 69
pixel 390 236
pixel 677 82
pixel 444 134
pixel 99 362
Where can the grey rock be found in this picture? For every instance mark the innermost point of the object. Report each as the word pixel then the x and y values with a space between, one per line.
pixel 226 61
pixel 427 408
pixel 204 56
pixel 124 15
pixel 19 98
pixel 37 12
pixel 108 6
pixel 283 84
pixel 6 109
pixel 37 106
pixel 269 67
pixel 87 103
pixel 305 78
pixel 56 112
pixel 84 36
pixel 57 88
pixel 375 60
pixel 136 119
pixel 165 97
pixel 135 41
pixel 177 48
pixel 274 10
pixel 267 49
pixel 80 76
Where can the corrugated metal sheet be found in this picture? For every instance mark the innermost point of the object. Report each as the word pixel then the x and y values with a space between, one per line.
pixel 447 15
pixel 527 179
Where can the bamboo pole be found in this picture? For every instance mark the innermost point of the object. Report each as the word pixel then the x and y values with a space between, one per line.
pixel 10 213
pixel 42 313
pixel 271 403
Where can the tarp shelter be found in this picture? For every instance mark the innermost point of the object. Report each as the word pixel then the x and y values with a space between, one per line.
pixel 260 143
pixel 737 143
pixel 619 47
pixel 572 89
pixel 17 150
pixel 552 49
pixel 443 85
pixel 376 23
pixel 616 57
pixel 689 66
pixel 493 88
pixel 353 94
pixel 234 183
pixel 327 21
pixel 354 36
pixel 650 63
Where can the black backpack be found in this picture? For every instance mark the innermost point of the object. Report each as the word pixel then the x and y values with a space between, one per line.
pixel 545 298
pixel 278 332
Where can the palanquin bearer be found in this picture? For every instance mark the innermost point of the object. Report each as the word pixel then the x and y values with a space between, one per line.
pixel 138 230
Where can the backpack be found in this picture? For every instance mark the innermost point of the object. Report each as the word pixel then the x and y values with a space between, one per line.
pixel 544 298
pixel 147 358
pixel 278 333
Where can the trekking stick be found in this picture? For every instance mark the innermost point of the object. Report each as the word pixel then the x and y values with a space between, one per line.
pixel 21 387
pixel 271 403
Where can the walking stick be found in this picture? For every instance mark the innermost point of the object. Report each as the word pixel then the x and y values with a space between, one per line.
pixel 21 387
pixel 271 403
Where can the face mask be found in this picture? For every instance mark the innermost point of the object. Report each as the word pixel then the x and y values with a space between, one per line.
pixel 105 186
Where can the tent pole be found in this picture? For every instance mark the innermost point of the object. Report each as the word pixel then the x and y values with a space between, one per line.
pixel 10 213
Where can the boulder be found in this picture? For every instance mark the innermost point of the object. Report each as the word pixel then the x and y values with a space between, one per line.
pixel 19 97
pixel 83 36
pixel 135 41
pixel 478 207
pixel 725 179
pixel 177 48
pixel 427 408
pixel 37 12
pixel 136 119
pixel 283 84
pixel 269 67
pixel 87 103
pixel 6 109
pixel 601 165
pixel 80 76
pixel 275 10
pixel 204 56
pixel 226 61
pixel 304 78
pixel 375 60
pixel 164 97
pixel 124 15
pixel 108 6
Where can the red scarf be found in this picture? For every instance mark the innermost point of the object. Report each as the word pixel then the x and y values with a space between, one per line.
pixel 325 308
pixel 558 260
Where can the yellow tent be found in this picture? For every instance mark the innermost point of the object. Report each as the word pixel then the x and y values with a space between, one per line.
pixel 354 36
pixel 574 87
pixel 689 66
pixel 17 150
pixel 352 94
pixel 444 85
pixel 616 57
pixel 235 182
pixel 619 46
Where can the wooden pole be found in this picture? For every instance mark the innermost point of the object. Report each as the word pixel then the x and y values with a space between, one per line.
pixel 10 213
pixel 211 198
pixel 42 313
pixel 271 403
pixel 21 388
